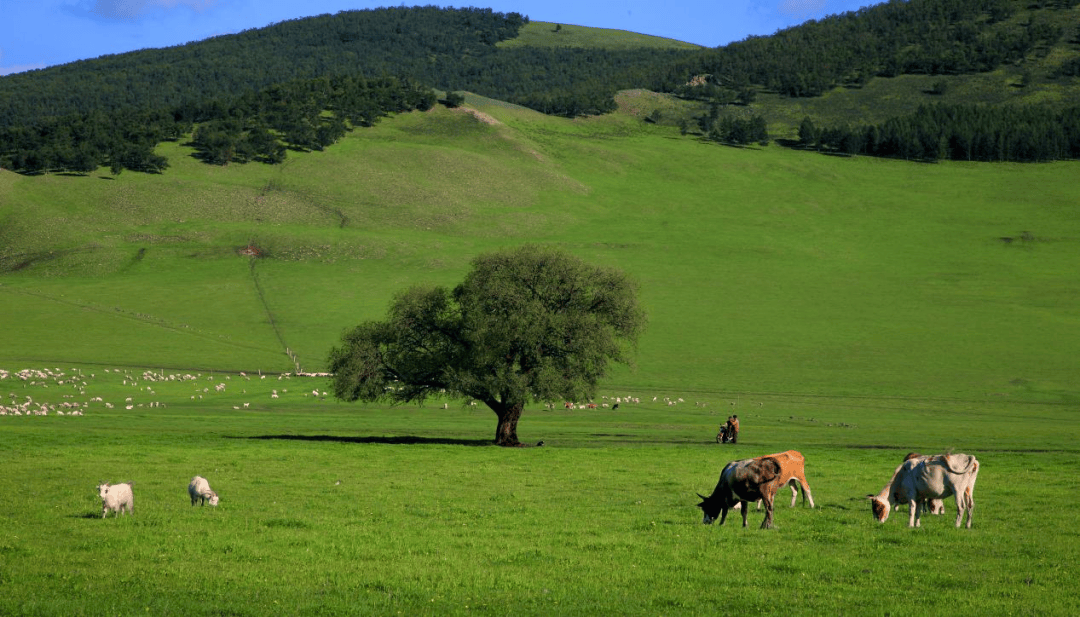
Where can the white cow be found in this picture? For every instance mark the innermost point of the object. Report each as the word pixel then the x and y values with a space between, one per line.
pixel 919 480
pixel 934 506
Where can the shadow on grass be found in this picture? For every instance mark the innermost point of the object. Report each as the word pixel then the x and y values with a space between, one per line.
pixel 408 440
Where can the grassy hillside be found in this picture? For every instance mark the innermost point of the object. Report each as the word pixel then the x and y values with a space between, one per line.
pixel 545 34
pixel 763 270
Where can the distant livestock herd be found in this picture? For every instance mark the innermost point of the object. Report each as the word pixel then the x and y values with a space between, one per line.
pixel 77 380
pixel 920 482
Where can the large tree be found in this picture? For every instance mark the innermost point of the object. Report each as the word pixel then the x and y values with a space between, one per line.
pixel 531 323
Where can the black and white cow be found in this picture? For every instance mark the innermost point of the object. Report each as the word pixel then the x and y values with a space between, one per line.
pixel 741 482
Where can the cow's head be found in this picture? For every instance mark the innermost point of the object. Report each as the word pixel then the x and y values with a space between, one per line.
pixel 879 507
pixel 213 498
pixel 103 489
pixel 710 508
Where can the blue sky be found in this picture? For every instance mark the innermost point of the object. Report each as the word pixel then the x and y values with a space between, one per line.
pixel 39 33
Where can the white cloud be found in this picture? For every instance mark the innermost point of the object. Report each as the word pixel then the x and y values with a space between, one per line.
pixel 130 9
pixel 801 8
pixel 20 68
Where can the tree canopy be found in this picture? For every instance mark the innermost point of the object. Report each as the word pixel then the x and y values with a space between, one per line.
pixel 527 324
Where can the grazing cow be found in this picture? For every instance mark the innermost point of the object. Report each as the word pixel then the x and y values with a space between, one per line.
pixel 934 506
pixel 741 482
pixel 920 479
pixel 793 474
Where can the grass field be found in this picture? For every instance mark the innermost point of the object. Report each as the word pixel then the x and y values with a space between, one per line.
pixel 853 309
pixel 329 509
pixel 546 34
pixel 763 270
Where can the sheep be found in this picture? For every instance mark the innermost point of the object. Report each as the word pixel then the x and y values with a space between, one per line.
pixel 199 489
pixel 116 497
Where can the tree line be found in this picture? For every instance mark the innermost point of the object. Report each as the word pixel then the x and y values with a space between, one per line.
pixel 298 115
pixel 958 132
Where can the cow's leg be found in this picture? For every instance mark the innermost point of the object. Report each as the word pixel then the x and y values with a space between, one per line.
pixel 970 504
pixel 964 501
pixel 745 511
pixel 723 515
pixel 769 502
pixel 913 517
pixel 806 494
pixel 794 484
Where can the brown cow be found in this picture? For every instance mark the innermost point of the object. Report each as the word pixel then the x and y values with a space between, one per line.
pixel 793 474
pixel 741 482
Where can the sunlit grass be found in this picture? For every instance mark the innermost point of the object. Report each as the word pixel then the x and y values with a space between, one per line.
pixel 335 508
pixel 763 270
pixel 545 34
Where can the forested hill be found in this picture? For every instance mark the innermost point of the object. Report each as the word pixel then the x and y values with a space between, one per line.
pixel 416 42
pixel 266 89
pixel 895 38
pixel 440 48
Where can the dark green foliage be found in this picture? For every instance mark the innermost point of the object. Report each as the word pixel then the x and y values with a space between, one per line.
pixel 808 133
pixel 454 99
pixel 1069 68
pixel 965 132
pixel 530 323
pixel 302 115
pixel 395 41
pixel 734 130
pixel 887 39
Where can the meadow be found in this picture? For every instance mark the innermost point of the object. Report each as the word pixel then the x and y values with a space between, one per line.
pixel 853 309
pixel 327 509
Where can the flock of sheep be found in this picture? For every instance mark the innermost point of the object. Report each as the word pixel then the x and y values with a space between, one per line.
pixel 120 498
pixel 75 382
pixel 144 384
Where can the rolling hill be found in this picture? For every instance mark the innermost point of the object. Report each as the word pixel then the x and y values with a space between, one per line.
pixel 764 269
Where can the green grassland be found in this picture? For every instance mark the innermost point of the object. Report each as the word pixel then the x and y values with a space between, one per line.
pixel 545 34
pixel 329 510
pixel 763 270
pixel 854 309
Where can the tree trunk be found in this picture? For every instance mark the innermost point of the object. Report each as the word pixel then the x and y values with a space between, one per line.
pixel 506 431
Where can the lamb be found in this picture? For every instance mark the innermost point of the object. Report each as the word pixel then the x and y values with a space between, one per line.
pixel 116 497
pixel 199 489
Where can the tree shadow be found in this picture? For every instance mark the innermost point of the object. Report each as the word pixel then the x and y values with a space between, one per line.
pixel 403 440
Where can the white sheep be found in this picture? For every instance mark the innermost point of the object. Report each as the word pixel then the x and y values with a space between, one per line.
pixel 199 489
pixel 116 497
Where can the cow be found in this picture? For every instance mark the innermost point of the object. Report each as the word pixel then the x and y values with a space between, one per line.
pixel 919 479
pixel 741 482
pixel 934 506
pixel 793 474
